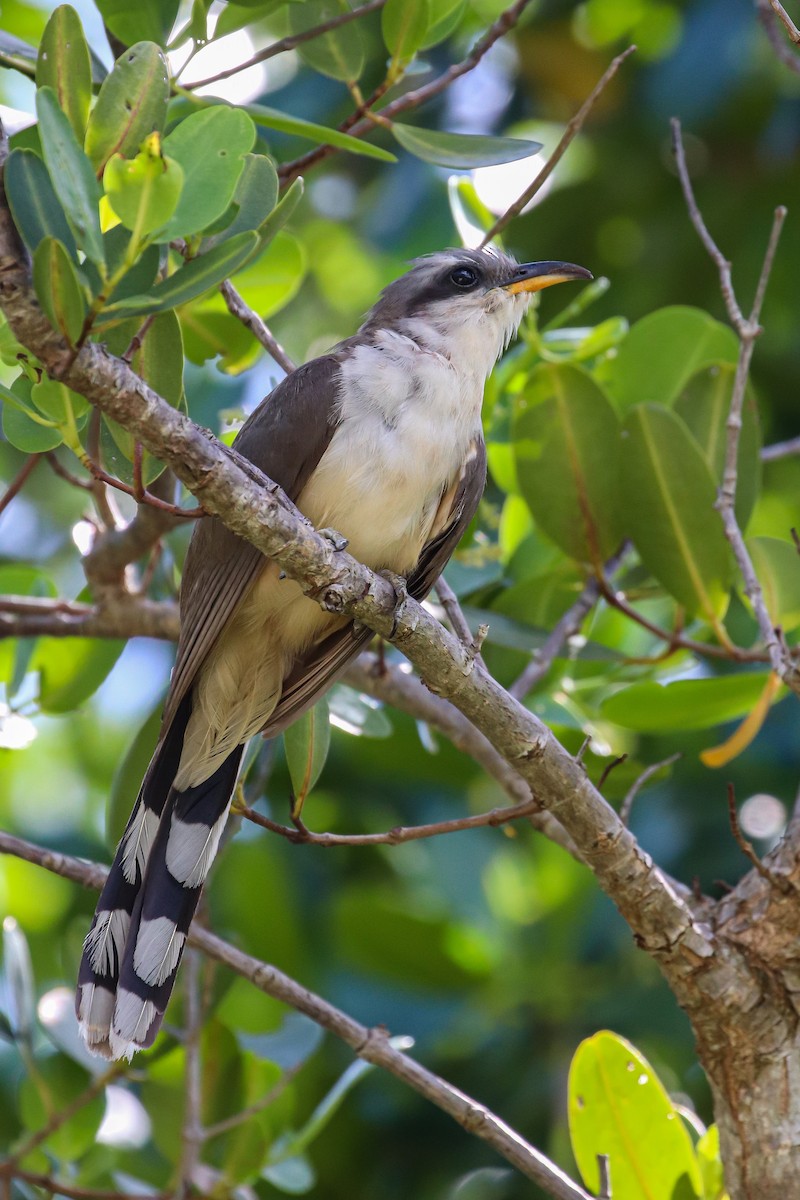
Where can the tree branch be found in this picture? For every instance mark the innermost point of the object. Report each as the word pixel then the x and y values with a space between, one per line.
pixel 18 482
pixel 252 321
pixel 574 126
pixel 778 450
pixel 369 1044
pixel 748 330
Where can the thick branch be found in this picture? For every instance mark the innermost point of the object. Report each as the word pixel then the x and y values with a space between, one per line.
pixel 369 1044
pixel 120 616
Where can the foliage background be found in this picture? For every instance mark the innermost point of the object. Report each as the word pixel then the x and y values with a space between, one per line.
pixel 495 952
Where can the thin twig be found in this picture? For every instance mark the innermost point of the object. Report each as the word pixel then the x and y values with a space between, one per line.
pixel 770 24
pixel 192 1133
pixel 786 21
pixel 503 25
pixel 252 321
pixel 145 497
pixel 778 450
pixel 18 482
pixel 233 1122
pixel 638 784
pixel 778 881
pixel 455 615
pixel 574 126
pixel 58 1188
pixel 59 469
pixel 60 1117
pixel 748 330
pixel 370 1044
pixel 290 42
pixel 609 767
pixel 392 837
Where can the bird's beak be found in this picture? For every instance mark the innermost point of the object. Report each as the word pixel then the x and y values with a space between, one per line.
pixel 532 277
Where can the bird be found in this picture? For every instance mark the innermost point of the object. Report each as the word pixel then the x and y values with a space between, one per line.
pixel 379 439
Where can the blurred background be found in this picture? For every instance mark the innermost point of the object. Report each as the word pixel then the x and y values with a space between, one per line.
pixel 493 949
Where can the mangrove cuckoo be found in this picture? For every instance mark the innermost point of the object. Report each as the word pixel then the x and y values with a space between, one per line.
pixel 379 439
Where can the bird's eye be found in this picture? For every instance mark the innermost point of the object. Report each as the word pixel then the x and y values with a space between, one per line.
pixel 464 277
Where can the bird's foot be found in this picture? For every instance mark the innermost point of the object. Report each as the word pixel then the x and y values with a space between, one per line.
pixel 400 586
pixel 336 539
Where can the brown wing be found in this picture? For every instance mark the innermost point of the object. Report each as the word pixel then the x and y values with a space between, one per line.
pixel 285 436
pixel 324 663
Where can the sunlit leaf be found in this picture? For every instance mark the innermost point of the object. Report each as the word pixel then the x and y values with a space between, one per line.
pixel 63 65
pixel 210 146
pixel 143 191
pixel 149 20
pixel 131 104
pixel 667 494
pixel 461 151
pixel 72 669
pixel 271 118
pixel 618 1107
pixel 777 565
pixel 748 731
pixel 254 199
pixel 443 17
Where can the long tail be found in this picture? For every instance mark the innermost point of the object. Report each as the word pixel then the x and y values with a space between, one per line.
pixel 132 951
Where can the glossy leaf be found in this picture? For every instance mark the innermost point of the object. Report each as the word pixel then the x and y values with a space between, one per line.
pixel 34 205
pixel 281 213
pixel 271 118
pixel 210 146
pixel 71 172
pixel 195 277
pixel 132 103
pixel 710 1163
pixel 404 24
pixel 307 741
pixel 778 569
pixel 662 352
pixel 618 1107
pixel 269 282
pixel 686 703
pixel 667 495
pixel 71 670
pixel 58 290
pixel 143 191
pixel 339 53
pixel 357 714
pixel 461 151
pixel 566 446
pixel 64 65
pixel 146 19
pixel 704 405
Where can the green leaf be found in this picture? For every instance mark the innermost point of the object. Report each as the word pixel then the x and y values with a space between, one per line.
pixel 159 362
pixel 254 199
pixel 618 1106
pixel 149 20
pixel 195 277
pixel 358 714
pixel 58 402
pixel 686 703
pixel 710 1163
pixel 778 569
pixel 307 742
pixel 443 17
pixel 72 172
pixel 22 426
pixel 210 146
pixel 461 151
pixel 34 205
pixel 339 53
pixel 667 494
pixel 128 777
pixel 271 118
pixel 566 445
pixel 404 24
pixel 662 352
pixel 64 65
pixel 72 669
pixel 269 282
pixel 60 294
pixel 217 335
pixel 135 281
pixel 704 405
pixel 132 103
pixel 143 191
pixel 293 1176
pixel 280 213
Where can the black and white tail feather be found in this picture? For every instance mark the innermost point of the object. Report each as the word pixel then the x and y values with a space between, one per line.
pixel 133 949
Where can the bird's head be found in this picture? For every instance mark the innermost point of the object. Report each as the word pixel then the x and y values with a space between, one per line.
pixel 467 304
